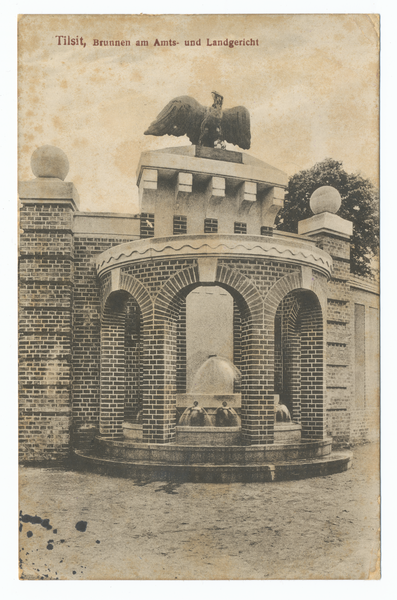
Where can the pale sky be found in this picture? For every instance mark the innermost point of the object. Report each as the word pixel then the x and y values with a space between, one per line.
pixel 310 85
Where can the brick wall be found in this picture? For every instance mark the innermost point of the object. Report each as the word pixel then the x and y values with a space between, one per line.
pixel 113 366
pixel 287 369
pixel 365 407
pixel 263 274
pixel 236 335
pixel 181 363
pixel 87 347
pixel 278 355
pixel 61 340
pixel 87 336
pixel 352 411
pixel 312 370
pixel 339 367
pixel 46 271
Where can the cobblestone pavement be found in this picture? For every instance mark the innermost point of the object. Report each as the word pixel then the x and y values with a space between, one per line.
pixel 318 528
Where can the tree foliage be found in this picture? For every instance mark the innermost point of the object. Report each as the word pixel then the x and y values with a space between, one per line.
pixel 359 205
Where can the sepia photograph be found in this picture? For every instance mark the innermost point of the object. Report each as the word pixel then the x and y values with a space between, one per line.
pixel 198 297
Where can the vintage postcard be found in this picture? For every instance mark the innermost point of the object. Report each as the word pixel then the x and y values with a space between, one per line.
pixel 199 297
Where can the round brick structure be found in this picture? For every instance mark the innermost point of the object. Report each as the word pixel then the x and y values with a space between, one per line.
pixel 105 316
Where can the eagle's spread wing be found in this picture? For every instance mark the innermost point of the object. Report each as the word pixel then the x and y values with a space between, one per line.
pixel 236 127
pixel 181 116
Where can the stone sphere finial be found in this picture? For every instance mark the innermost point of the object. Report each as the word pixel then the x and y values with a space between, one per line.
pixel 49 161
pixel 325 199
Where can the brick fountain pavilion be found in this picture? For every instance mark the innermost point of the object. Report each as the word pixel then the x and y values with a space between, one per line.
pixel 103 322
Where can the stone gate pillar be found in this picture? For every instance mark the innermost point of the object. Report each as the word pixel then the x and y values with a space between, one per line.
pixel 332 234
pixel 45 307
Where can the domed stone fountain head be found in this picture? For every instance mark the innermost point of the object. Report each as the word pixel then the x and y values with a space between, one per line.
pixel 215 376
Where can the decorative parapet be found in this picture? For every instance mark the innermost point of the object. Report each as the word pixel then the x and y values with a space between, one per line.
pixel 276 248
pixel 187 159
pixel 109 224
pixel 211 183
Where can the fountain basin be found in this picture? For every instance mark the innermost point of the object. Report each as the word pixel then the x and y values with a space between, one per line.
pixel 284 433
pixel 213 464
pixel 287 433
pixel 208 436
pixel 193 454
pixel 133 431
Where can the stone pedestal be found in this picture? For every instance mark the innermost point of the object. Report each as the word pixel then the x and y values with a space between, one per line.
pixel 214 190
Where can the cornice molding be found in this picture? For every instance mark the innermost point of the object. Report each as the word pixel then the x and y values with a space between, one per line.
pixel 221 246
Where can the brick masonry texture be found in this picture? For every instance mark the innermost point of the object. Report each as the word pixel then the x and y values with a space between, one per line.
pixel 346 419
pixel 87 338
pixel 91 358
pixel 46 270
pixel 210 225
pixel 147 225
pixel 240 227
pixel 180 225
pixel 164 357
pixel 266 230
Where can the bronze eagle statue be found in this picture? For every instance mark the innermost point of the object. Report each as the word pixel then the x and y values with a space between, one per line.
pixel 210 127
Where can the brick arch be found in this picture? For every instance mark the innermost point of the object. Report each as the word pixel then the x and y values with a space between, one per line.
pixel 287 353
pixel 106 290
pixel 117 289
pixel 184 279
pixel 234 281
pixel 128 283
pixel 307 349
pixel 321 294
pixel 237 284
pixel 257 413
pixel 288 284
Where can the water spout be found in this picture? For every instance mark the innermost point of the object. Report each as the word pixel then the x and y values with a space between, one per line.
pixel 226 416
pixel 282 413
pixel 195 416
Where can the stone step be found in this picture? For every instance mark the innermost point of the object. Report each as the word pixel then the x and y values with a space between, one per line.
pixel 135 452
pixel 336 462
